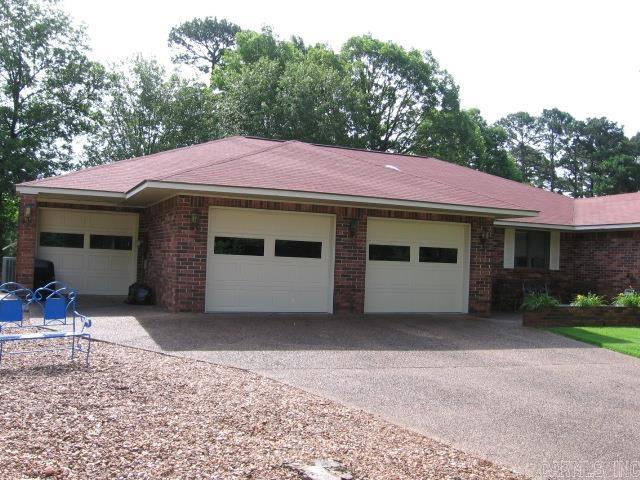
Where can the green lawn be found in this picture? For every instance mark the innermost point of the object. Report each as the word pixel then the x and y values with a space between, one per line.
pixel 620 339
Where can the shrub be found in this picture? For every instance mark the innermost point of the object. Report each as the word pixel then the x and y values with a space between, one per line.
pixel 588 300
pixel 627 300
pixel 538 301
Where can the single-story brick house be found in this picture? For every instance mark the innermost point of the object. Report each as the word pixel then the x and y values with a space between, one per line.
pixel 248 224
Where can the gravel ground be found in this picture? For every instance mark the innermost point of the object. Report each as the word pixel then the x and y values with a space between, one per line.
pixel 143 415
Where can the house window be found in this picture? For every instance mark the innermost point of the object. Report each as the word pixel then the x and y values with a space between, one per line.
pixel 298 249
pixel 64 240
pixel 111 242
pixel 531 249
pixel 238 246
pixel 438 255
pixel 389 253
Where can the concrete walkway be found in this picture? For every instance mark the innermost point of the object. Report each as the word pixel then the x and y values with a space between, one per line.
pixel 537 402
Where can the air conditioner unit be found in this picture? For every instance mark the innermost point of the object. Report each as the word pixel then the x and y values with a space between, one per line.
pixel 8 269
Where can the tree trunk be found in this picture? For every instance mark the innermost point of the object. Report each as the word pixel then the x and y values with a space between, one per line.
pixel 2 223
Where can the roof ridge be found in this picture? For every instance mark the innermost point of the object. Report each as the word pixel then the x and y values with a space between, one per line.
pixel 602 197
pixel 226 160
pixel 429 179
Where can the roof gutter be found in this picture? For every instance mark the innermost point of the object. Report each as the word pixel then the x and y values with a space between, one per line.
pixel 326 198
pixel 567 228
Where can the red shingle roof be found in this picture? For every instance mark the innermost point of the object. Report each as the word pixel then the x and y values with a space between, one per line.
pixel 613 209
pixel 296 166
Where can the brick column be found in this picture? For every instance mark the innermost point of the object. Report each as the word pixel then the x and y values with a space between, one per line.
pixel 480 271
pixel 27 241
pixel 350 260
pixel 192 220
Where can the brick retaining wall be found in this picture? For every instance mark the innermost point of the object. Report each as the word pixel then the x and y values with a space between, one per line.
pixel 582 317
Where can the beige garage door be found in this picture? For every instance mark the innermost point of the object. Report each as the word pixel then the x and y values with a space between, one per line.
pixel 263 261
pixel 93 252
pixel 415 266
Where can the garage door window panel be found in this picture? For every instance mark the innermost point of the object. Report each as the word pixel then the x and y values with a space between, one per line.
pixel 438 255
pixel 62 240
pixel 390 253
pixel 298 249
pixel 111 242
pixel 253 247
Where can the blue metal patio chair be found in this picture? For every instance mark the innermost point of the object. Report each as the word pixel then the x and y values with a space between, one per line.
pixel 14 301
pixel 58 305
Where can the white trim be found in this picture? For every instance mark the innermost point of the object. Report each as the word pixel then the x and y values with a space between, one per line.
pixel 467 267
pixel 294 195
pixel 33 190
pixel 57 202
pixel 566 228
pixel 509 248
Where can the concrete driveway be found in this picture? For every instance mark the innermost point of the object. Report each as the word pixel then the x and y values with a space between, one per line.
pixel 539 403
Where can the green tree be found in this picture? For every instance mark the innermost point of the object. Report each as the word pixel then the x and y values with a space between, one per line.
pixel 619 174
pixel 454 136
pixel 393 90
pixel 465 138
pixel 281 89
pixel 555 126
pixel 310 99
pixel 202 42
pixel 48 87
pixel 246 103
pixel 602 140
pixel 496 159
pixel 523 136
pixel 145 111
pixel 573 161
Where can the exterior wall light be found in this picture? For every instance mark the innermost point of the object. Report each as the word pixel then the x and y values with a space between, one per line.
pixel 485 235
pixel 353 227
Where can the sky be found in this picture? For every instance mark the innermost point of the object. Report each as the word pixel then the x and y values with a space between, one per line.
pixel 580 56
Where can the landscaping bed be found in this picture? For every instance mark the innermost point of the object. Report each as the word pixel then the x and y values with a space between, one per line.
pixel 543 310
pixel 144 415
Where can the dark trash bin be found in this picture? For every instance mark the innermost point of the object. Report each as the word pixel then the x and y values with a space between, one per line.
pixel 43 273
pixel 140 294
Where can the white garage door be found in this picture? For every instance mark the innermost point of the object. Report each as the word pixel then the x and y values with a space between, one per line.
pixel 263 261
pixel 415 266
pixel 93 252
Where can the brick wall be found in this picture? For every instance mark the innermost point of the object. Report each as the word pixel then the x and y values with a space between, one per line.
pixel 177 248
pixel 27 232
pixel 607 262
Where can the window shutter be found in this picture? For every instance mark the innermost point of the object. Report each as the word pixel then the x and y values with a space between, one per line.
pixel 554 251
pixel 509 247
